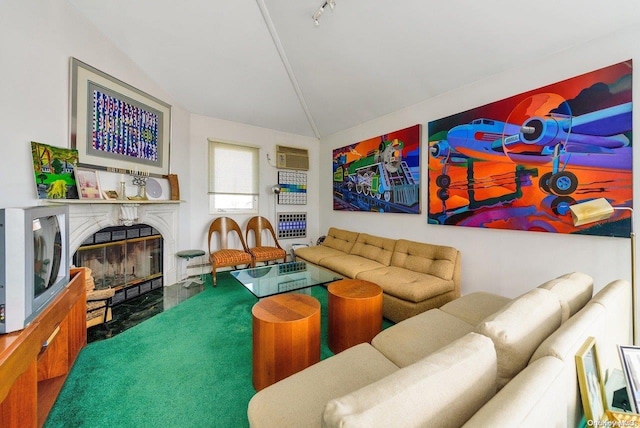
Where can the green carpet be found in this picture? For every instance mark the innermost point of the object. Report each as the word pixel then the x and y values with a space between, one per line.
pixel 189 366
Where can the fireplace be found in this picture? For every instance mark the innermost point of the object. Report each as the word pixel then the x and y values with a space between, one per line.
pixel 127 259
pixel 87 218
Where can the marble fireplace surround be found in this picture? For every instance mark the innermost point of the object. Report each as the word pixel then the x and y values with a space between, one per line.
pixel 88 217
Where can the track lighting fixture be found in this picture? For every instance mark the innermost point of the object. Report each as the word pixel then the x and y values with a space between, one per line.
pixel 316 16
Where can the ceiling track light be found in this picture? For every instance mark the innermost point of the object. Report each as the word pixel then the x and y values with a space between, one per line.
pixel 316 16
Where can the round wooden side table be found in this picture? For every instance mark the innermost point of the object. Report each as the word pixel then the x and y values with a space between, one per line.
pixel 286 337
pixel 355 313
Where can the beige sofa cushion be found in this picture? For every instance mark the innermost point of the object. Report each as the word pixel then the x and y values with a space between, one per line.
pixel 342 240
pixel 534 398
pixel 519 328
pixel 475 307
pixel 374 248
pixel 565 342
pixel 615 298
pixel 445 389
pixel 413 339
pixel 406 284
pixel 436 260
pixel 317 253
pixel 350 265
pixel 573 290
pixel 298 400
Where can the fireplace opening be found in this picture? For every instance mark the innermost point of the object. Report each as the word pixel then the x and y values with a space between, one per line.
pixel 127 259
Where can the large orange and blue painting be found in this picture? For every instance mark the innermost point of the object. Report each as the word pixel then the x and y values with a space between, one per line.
pixel 381 174
pixel 521 162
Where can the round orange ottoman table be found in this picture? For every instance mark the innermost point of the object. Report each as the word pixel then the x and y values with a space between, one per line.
pixel 286 337
pixel 355 313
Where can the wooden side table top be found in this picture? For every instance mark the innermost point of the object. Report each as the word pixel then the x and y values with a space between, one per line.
pixel 354 289
pixel 286 307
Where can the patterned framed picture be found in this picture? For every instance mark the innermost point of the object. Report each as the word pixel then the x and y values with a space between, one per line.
pixel 116 125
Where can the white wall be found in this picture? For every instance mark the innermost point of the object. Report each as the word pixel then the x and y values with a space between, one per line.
pixel 203 128
pixel 505 262
pixel 37 38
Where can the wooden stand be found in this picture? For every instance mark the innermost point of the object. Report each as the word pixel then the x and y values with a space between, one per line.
pixel 286 337
pixel 355 313
pixel 31 375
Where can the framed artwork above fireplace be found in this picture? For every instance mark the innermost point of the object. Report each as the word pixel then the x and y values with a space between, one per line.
pixel 116 125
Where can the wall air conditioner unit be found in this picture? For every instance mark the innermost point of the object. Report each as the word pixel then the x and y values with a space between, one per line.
pixel 292 158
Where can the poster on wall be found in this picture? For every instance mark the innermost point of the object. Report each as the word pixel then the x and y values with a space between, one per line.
pixel 521 162
pixel 381 174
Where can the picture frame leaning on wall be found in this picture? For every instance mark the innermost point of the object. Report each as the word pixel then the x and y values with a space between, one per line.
pixel 592 390
pixel 591 382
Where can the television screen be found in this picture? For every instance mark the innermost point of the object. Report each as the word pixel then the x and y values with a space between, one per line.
pixel 47 254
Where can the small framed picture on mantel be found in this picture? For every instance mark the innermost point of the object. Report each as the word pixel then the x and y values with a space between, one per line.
pixel 88 184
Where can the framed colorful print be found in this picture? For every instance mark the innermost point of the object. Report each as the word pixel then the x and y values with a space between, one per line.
pixel 88 185
pixel 591 383
pixel 519 163
pixel 381 174
pixel 116 125
pixel 53 169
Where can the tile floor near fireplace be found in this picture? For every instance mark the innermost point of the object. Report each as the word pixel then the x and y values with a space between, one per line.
pixel 134 311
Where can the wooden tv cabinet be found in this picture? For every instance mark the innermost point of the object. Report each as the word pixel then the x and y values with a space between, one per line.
pixel 31 374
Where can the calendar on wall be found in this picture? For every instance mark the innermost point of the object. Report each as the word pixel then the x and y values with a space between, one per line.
pixel 293 188
pixel 292 225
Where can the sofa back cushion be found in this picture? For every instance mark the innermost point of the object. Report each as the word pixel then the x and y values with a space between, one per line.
pixel 339 239
pixel 436 260
pixel 444 389
pixel 374 248
pixel 574 290
pixel 518 329
pixel 565 343
pixel 534 398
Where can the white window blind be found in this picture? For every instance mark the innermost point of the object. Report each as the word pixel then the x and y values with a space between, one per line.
pixel 233 177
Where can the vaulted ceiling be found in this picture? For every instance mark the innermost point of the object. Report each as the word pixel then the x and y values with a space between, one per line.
pixel 265 63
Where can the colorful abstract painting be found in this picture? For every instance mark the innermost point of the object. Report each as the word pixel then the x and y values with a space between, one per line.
pixel 53 168
pixel 381 174
pixel 521 162
pixel 122 127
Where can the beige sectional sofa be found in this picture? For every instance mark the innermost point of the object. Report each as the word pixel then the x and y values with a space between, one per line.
pixel 414 276
pixel 481 360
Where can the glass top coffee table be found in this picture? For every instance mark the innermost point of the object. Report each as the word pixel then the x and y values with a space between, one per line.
pixel 266 281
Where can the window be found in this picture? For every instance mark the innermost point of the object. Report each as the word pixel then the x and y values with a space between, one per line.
pixel 233 178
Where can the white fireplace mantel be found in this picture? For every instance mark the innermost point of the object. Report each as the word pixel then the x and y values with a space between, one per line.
pixel 88 217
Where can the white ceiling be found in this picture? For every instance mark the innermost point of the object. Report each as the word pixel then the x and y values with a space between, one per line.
pixel 264 63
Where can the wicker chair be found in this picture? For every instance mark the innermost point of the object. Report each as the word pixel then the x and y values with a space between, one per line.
pixel 260 252
pixel 225 256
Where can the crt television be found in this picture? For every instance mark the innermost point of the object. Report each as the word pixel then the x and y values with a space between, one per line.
pixel 34 262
